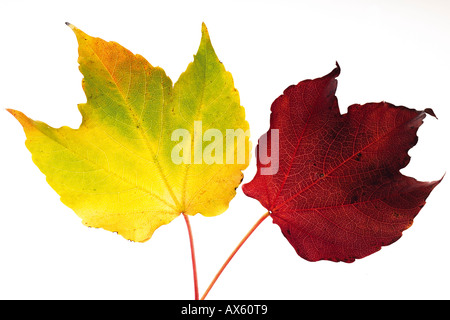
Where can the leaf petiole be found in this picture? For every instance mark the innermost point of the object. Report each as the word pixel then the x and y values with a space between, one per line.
pixel 260 220
pixel 194 265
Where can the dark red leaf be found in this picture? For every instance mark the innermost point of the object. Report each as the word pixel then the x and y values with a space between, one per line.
pixel 338 193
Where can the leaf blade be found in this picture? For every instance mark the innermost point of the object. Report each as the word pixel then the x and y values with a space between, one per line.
pixel 115 171
pixel 339 194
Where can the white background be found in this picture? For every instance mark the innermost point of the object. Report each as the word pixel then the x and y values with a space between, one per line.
pixel 397 51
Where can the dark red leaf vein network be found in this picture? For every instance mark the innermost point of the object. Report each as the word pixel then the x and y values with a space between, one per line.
pixel 338 193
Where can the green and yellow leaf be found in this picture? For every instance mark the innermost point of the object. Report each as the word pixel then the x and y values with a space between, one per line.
pixel 117 170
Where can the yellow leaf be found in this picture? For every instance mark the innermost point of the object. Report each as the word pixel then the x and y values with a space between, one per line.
pixel 146 150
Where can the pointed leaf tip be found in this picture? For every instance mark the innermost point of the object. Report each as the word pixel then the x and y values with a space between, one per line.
pixel 22 118
pixel 336 71
pixel 430 112
pixel 71 26
pixel 205 33
pixel 12 111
